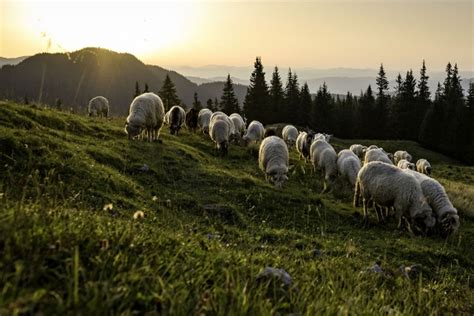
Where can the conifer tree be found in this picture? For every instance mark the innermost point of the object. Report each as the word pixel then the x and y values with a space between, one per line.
pixel 146 88
pixel 217 106
pixel 365 112
pixel 277 98
pixel 196 103
pixel 322 110
pixel 137 90
pixel 399 82
pixel 292 99
pixel 382 83
pixel 210 105
pixel 256 100
pixel 381 105
pixel 168 94
pixel 229 103
pixel 422 97
pixel 306 104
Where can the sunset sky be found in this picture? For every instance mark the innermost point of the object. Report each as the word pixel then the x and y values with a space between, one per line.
pixel 320 34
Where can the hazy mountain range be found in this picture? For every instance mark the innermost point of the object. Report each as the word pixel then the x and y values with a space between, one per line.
pixel 78 76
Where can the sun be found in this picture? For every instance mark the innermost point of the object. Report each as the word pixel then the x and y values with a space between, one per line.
pixel 138 28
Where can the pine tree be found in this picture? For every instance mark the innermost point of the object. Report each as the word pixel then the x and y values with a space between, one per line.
pixel 229 102
pixel 430 131
pixel 146 88
pixel 422 97
pixel 469 155
pixel 137 90
pixel 277 98
pixel 381 105
pixel 404 110
pixel 168 94
pixel 292 99
pixel 322 112
pixel 196 103
pixel 257 98
pixel 306 104
pixel 399 82
pixel 365 112
pixel 217 106
pixel 210 105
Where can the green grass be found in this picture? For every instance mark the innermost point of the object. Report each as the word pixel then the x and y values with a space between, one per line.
pixel 211 225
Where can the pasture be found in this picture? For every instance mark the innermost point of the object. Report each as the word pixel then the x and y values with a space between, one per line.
pixel 70 186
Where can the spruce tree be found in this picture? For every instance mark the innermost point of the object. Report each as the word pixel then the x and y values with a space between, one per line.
pixel 210 105
pixel 381 105
pixel 399 82
pixel 217 106
pixel 469 156
pixel 292 99
pixel 322 112
pixel 422 97
pixel 306 103
pixel 137 90
pixel 277 98
pixel 382 83
pixel 229 102
pixel 168 94
pixel 365 111
pixel 257 98
pixel 404 110
pixel 196 103
pixel 146 88
pixel 431 129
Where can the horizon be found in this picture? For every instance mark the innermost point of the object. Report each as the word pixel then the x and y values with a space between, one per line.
pixel 315 35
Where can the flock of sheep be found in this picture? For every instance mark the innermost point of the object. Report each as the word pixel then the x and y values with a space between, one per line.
pixel 391 183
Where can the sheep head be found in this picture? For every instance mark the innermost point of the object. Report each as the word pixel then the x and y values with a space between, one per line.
pixel 449 224
pixel 277 175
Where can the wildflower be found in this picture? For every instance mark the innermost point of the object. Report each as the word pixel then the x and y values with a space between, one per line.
pixel 108 207
pixel 138 215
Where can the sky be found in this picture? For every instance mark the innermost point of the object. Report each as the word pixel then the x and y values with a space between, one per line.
pixel 318 34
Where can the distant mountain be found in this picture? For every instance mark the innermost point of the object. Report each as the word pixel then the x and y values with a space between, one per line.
pixel 78 76
pixel 198 80
pixel 11 61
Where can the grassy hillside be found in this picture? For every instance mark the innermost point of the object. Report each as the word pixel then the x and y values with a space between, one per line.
pixel 70 186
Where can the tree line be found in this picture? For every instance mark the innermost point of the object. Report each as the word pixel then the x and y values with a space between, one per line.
pixel 444 123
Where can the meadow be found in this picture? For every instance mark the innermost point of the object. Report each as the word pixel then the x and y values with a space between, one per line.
pixel 69 243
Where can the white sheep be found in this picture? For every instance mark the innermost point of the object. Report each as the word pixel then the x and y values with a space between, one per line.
pixel 254 133
pixel 401 154
pixel 239 124
pixel 219 130
pixel 290 134
pixel 177 117
pixel 359 150
pixel 166 119
pixel 303 144
pixel 435 194
pixel 376 154
pixel 387 186
pixel 204 118
pixel 324 157
pixel 146 114
pixel 321 136
pixel 405 164
pixel 348 165
pixel 98 106
pixel 423 166
pixel 273 159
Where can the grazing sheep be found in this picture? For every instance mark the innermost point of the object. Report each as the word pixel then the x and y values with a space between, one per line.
pixel 401 154
pixel 387 186
pixel 239 124
pixel 290 134
pixel 192 120
pixel 321 136
pixel 204 119
pixel 324 157
pixel 219 130
pixel 377 154
pixel 359 150
pixel 98 106
pixel 423 166
pixel 254 133
pixel 176 119
pixel 405 164
pixel 303 144
pixel 146 114
pixel 348 165
pixel 372 147
pixel 273 159
pixel 446 213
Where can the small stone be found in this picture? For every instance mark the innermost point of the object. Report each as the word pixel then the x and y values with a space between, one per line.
pixel 278 274
pixel 144 168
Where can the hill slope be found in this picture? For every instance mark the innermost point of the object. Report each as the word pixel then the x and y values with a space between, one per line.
pixel 78 76
pixel 211 225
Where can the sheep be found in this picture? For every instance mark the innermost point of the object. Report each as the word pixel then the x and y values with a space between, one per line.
pixel 146 114
pixel 166 119
pixel 321 136
pixel 239 124
pixel 192 119
pixel 204 118
pixel 446 213
pixel 273 159
pixel 401 154
pixel 290 134
pixel 387 186
pixel 303 144
pixel 423 166
pixel 359 150
pixel 176 119
pixel 254 132
pixel 219 130
pixel 98 106
pixel 324 157
pixel 348 165
pixel 377 154
pixel 405 164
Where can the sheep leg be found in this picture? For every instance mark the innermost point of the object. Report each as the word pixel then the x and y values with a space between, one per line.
pixel 366 213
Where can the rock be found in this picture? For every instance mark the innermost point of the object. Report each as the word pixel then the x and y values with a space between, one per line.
pixel 144 168
pixel 280 275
